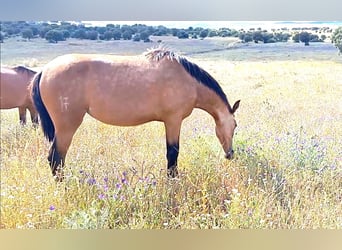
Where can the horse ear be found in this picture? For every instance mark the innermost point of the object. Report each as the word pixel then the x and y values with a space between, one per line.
pixel 235 106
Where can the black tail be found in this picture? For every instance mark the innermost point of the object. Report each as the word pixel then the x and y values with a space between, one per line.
pixel 45 119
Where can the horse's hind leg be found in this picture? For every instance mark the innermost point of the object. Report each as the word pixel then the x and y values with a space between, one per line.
pixel 22 115
pixel 56 160
pixel 61 143
pixel 34 116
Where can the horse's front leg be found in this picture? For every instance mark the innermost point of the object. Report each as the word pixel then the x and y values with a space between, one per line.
pixel 172 129
pixel 172 156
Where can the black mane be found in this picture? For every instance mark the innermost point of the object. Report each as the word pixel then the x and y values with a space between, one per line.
pixel 193 69
pixel 204 78
pixel 24 69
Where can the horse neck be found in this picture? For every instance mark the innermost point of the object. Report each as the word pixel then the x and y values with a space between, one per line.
pixel 29 74
pixel 209 101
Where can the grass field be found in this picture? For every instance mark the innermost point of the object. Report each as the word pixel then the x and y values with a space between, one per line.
pixel 286 172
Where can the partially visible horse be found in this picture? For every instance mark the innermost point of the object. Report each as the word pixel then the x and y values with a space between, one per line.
pixel 127 91
pixel 14 92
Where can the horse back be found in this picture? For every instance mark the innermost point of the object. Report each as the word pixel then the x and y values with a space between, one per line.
pixel 118 90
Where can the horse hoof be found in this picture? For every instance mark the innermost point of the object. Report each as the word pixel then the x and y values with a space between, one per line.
pixel 172 173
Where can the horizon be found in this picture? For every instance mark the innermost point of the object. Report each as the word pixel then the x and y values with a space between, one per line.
pixel 223 24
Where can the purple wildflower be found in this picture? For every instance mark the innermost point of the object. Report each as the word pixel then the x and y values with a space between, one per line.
pixel 52 208
pixel 124 181
pixel 91 181
pixel 102 196
pixel 118 186
pixel 116 197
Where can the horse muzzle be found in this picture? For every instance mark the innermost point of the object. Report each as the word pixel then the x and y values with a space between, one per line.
pixel 230 154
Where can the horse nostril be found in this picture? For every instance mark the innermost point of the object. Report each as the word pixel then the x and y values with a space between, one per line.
pixel 230 154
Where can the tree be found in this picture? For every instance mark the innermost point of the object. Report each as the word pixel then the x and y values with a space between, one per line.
pixel 224 32
pixel 161 31
pixel 101 30
pixel 117 34
pixel 66 33
pixel 234 33
pixel 126 32
pixel 110 25
pixel 108 35
pixel 246 37
pixel 204 33
pixel 80 33
pixel 145 36
pixel 127 35
pixel 295 38
pixel 92 35
pixel 336 39
pixel 182 34
pixel 314 38
pixel 136 37
pixel 27 33
pixel 212 33
pixel 43 30
pixel 2 37
pixel 305 37
pixel 268 37
pixel 53 36
pixel 35 30
pixel 282 37
pixel 174 31
pixel 257 36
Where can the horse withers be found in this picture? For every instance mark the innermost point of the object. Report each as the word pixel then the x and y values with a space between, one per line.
pixel 14 92
pixel 127 91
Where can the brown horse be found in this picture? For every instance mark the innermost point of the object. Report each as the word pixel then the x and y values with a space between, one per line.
pixel 14 92
pixel 127 91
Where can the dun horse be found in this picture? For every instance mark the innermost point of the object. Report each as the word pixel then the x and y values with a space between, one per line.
pixel 14 92
pixel 127 91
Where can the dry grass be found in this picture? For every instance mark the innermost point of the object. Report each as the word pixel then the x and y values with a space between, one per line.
pixel 286 173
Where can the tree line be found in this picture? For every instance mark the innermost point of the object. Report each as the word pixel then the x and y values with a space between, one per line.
pixel 60 31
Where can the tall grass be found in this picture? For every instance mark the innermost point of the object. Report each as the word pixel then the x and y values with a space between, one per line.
pixel 286 174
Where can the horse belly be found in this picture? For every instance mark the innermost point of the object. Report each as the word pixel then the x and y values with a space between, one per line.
pixel 125 113
pixel 140 103
pixel 12 96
